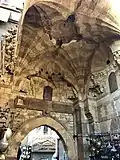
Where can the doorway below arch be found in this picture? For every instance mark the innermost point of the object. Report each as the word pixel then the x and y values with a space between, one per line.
pixel 43 143
pixel 63 137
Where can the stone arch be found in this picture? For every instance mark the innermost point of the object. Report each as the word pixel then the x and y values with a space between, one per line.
pixel 40 121
pixel 112 82
pixel 50 9
pixel 61 7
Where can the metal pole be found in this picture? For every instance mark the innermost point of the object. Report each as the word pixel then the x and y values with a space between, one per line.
pixel 58 149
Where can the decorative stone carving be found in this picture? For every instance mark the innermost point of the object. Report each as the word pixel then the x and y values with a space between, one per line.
pixel 7 55
pixel 116 55
pixel 53 77
pixel 99 80
pixel 95 89
pixel 4 117
pixel 47 75
pixel 9 47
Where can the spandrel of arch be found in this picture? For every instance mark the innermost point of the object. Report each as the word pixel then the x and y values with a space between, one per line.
pixel 47 93
pixel 112 82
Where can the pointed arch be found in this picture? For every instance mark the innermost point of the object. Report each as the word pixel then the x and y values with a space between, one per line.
pixel 31 124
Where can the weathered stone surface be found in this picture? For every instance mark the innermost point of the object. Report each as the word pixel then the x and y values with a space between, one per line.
pixel 66 119
pixel 48 56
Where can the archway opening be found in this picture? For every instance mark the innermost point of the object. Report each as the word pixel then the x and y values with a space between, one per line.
pixel 43 143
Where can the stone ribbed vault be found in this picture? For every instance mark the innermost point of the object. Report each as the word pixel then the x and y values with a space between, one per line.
pixel 93 25
pixel 60 43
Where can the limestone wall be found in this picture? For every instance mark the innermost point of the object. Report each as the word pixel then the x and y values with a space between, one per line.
pixel 105 108
pixel 108 110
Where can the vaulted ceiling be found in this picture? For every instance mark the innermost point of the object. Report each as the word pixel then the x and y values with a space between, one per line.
pixel 67 39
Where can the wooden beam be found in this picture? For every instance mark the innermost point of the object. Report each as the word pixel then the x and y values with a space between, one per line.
pixel 42 105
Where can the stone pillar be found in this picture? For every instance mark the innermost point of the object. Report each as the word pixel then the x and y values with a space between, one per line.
pixel 78 135
pixel 78 131
pixel 82 127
